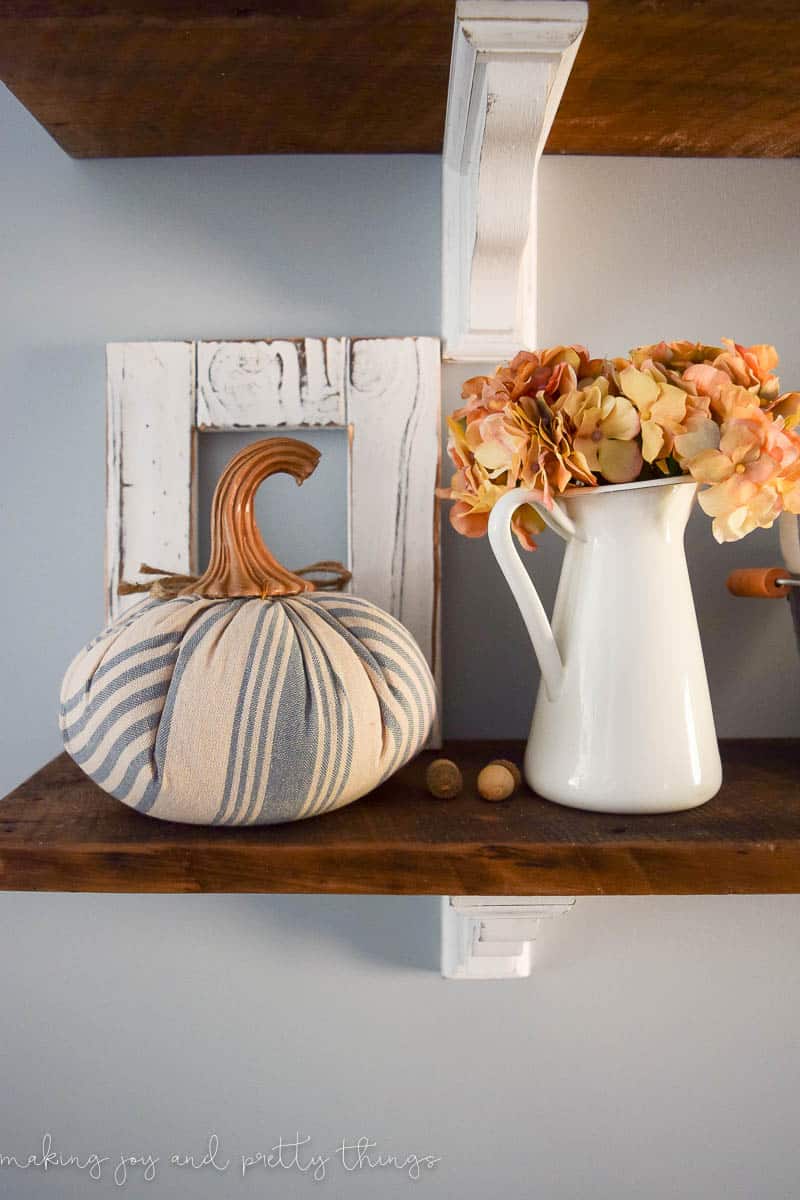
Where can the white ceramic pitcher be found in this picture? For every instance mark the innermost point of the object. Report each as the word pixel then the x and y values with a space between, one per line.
pixel 623 719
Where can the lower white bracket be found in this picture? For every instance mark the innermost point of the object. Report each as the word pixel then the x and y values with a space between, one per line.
pixel 491 937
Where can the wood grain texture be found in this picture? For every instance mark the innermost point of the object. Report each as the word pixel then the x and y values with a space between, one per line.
pixel 151 463
pixel 158 77
pixel 165 77
pixel 59 832
pixel 720 78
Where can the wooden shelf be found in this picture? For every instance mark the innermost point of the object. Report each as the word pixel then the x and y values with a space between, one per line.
pixel 59 832
pixel 166 77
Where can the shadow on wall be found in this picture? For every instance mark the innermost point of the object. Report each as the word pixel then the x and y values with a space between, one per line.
pixel 390 931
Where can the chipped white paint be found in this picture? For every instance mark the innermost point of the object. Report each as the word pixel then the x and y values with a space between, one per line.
pixel 268 385
pixel 393 408
pixel 510 63
pixel 386 391
pixel 150 470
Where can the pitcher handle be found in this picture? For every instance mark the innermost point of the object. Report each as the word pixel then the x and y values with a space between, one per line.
pixel 502 542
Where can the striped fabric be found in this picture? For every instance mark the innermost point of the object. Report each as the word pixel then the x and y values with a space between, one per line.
pixel 246 712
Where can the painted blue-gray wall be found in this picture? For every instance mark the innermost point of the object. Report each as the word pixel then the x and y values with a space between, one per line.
pixel 654 1052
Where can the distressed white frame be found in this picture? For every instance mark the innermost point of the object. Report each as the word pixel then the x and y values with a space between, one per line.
pixel 510 64
pixel 384 391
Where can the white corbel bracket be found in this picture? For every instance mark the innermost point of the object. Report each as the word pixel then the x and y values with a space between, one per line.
pixel 510 63
pixel 491 937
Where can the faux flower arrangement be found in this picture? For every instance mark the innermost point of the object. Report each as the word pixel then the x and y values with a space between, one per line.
pixel 558 419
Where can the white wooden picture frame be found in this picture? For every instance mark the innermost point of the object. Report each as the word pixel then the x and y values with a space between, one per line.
pixel 384 391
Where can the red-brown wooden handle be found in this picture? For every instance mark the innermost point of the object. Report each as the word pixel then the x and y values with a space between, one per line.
pixel 759 583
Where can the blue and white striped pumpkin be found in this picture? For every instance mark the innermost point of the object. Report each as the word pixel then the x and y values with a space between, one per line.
pixel 247 711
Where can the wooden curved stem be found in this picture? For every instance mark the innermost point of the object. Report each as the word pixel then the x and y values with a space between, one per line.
pixel 241 565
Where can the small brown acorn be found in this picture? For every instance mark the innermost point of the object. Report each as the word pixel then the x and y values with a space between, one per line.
pixel 496 782
pixel 511 766
pixel 444 779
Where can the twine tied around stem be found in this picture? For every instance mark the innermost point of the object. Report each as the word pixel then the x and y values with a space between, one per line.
pixel 170 584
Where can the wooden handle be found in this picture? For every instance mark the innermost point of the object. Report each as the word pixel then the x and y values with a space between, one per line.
pixel 760 583
pixel 241 565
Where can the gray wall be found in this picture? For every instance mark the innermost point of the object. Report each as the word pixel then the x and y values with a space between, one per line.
pixel 654 1052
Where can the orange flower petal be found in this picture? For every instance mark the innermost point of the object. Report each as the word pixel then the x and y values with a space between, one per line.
pixel 620 462
pixel 701 434
pixel 588 448
pixel 622 422
pixel 710 466
pixel 670 407
pixel 467 522
pixel 723 498
pixel 652 440
pixel 638 387
pixel 525 523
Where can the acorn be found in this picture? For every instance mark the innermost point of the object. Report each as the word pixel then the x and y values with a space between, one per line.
pixel 496 782
pixel 511 766
pixel 444 779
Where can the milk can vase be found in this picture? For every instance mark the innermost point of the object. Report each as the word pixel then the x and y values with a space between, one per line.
pixel 623 720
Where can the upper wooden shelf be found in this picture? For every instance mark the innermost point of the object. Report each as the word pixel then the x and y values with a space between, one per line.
pixel 110 78
pixel 59 832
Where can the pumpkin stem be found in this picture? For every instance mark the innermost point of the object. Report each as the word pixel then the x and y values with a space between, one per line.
pixel 241 565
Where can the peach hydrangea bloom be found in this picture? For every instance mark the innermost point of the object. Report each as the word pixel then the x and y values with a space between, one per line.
pixel 698 432
pixel 549 371
pixel 788 407
pixel 688 363
pixel 674 355
pixel 475 494
pixel 469 515
pixel 662 409
pixel 753 367
pixel 552 461
pixel 496 444
pixel 555 419
pixel 743 473
pixel 606 429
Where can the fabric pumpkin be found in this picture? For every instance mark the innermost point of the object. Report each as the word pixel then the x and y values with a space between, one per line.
pixel 237 710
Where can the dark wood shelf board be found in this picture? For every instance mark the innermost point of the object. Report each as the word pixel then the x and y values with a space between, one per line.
pixel 59 832
pixel 682 78
pixel 113 78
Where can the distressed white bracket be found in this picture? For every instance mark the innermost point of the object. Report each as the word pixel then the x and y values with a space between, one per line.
pixel 510 63
pixel 491 937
